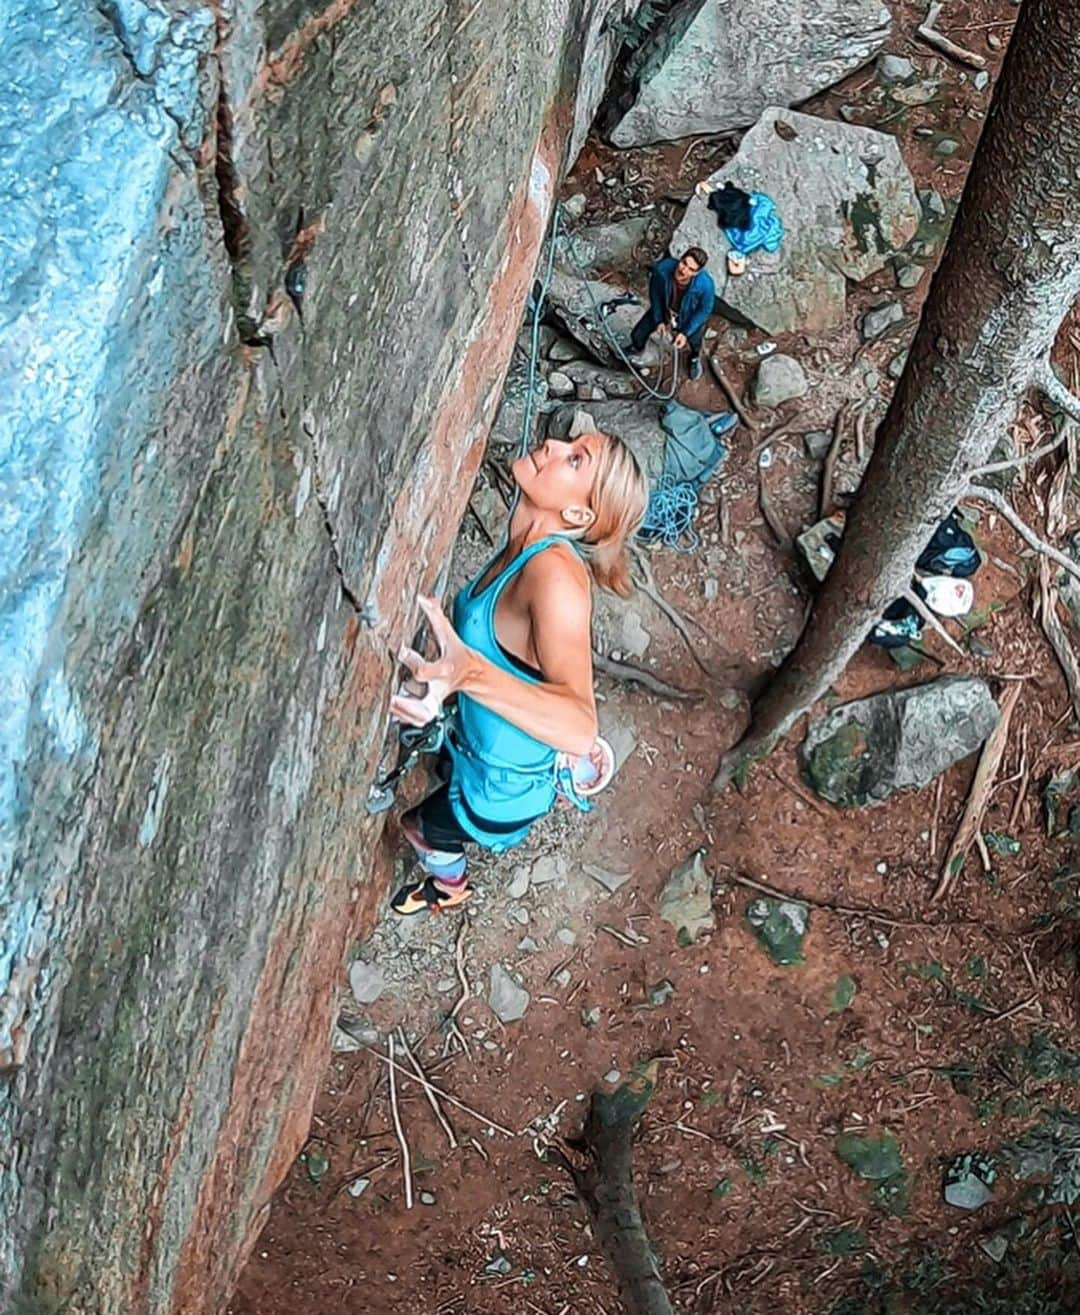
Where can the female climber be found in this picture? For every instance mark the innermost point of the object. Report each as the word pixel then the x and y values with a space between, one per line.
pixel 519 658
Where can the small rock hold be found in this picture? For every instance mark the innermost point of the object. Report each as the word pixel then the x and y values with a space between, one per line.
pixel 508 1000
pixel 876 321
pixel 366 981
pixel 895 68
pixel 574 206
pixel 817 443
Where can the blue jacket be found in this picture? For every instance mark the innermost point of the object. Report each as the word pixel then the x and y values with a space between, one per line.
pixel 766 227
pixel 698 298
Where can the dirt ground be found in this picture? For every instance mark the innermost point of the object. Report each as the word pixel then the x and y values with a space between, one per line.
pixel 743 1194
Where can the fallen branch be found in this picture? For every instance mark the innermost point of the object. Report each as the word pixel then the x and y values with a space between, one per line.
pixel 406 1162
pixel 1023 458
pixel 732 396
pixel 846 911
pixel 466 990
pixel 979 795
pixel 635 676
pixel 929 33
pixel 607 1188
pixel 650 589
pixel 931 620
pixel 1055 633
pixel 1002 504
pixel 435 1107
pixel 453 1100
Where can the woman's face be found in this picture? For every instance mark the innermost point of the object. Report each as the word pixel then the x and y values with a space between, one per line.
pixel 558 475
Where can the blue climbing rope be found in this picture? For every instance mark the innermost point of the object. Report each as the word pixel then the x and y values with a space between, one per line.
pixel 670 515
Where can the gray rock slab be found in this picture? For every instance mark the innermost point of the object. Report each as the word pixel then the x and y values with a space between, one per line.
pixel 864 751
pixel 615 383
pixel 778 379
pixel 686 899
pixel 576 304
pixel 848 204
pixel 507 1000
pixel 732 61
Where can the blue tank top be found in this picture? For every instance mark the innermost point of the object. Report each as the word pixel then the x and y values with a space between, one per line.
pixel 503 778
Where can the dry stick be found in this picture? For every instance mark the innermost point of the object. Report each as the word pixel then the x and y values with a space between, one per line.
pixel 931 620
pixel 1055 633
pixel 406 1162
pixel 829 467
pixel 649 589
pixel 772 520
pixel 453 1100
pixel 1022 459
pixel 732 396
pixel 466 989
pixel 635 676
pixel 937 814
pixel 1025 773
pixel 871 915
pixel 933 37
pixel 1002 504
pixel 435 1107
pixel 979 795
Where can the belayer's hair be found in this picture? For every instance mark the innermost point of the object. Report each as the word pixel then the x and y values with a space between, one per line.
pixel 698 255
pixel 618 500
pixel 731 206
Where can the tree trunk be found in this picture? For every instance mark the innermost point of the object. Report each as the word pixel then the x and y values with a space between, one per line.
pixel 1008 275
pixel 607 1186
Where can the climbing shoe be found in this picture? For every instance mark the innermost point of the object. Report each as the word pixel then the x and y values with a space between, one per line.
pixel 423 895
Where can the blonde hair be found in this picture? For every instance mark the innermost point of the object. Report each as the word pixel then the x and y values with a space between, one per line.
pixel 618 500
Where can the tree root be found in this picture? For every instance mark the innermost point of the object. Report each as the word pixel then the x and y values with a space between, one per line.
pixel 636 676
pixel 650 589
pixel 1000 503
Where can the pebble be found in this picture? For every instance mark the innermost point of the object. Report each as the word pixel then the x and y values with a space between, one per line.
pixel 358 1186
pixel 711 588
pixel 366 980
pixel 908 276
pixel 894 68
pixel 981 80
pixel 574 206
pixel 563 977
pixel 560 385
pixel 875 322
pixel 520 915
pixel 881 868
pixel 946 147
pixel 591 1016
pixel 427 1198
pixel 528 945
pixel 817 443
pixel 445 984
pixel 565 936
pixel 546 869
pixel 612 1076
pixel 519 885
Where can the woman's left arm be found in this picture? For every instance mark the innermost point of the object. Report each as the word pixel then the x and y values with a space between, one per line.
pixel 559 711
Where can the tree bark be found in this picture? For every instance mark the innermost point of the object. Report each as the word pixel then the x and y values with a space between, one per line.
pixel 1008 275
pixel 607 1186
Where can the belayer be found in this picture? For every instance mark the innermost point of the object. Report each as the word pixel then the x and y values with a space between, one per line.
pixel 681 299
pixel 518 656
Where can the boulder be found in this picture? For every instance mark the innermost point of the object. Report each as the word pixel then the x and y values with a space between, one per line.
pixel 615 383
pixel 778 379
pixel 848 204
pixel 864 751
pixel 602 246
pixel 877 321
pixel 731 61
pixel 575 303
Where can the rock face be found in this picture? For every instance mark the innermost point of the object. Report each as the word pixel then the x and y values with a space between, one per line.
pixel 847 201
pixel 213 551
pixel 733 60
pixel 864 751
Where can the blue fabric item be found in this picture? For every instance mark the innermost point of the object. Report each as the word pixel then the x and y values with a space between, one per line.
pixel 697 300
pixel 500 774
pixel 766 227
pixel 693 450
